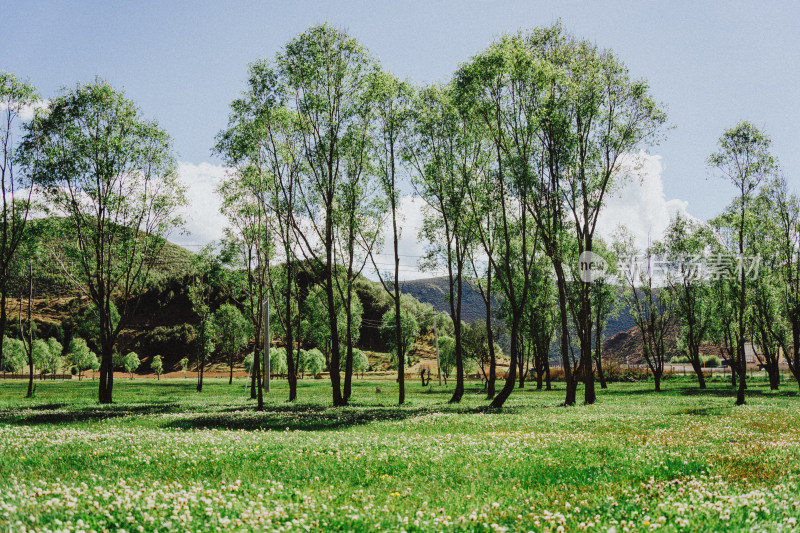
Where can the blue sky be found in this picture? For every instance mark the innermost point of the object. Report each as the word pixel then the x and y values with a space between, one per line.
pixel 711 63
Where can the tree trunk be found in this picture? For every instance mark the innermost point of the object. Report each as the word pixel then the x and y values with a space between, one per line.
pixel 490 386
pixel 459 391
pixel 657 379
pixel 230 364
pixel 505 392
pixel 698 370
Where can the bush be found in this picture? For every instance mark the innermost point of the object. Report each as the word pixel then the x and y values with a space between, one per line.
pixel 710 361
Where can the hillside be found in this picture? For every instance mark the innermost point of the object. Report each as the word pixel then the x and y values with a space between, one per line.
pixel 436 291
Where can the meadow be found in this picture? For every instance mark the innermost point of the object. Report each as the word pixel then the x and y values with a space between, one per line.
pixel 165 458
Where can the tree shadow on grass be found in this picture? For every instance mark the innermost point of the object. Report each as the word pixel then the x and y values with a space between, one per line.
pixel 311 417
pixel 57 414
pixel 689 390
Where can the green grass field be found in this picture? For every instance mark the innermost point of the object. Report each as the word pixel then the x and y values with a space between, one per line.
pixel 165 458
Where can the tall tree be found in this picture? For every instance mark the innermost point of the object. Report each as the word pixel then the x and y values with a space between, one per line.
pixel 743 158
pixel 786 208
pixel 263 143
pixel 445 153
pixel 111 173
pixel 392 113
pixel 327 79
pixel 16 96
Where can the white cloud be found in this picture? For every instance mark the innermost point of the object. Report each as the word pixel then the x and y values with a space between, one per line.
pixel 640 204
pixel 204 222
pixel 25 111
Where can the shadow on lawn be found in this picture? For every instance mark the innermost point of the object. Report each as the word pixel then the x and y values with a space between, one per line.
pixel 311 418
pixel 721 392
pixel 31 416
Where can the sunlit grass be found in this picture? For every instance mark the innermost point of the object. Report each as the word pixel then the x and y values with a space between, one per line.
pixel 164 457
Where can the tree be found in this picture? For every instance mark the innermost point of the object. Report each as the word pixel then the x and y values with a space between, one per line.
pixel 444 151
pixel 447 356
pixel 233 331
pixel 648 302
pixel 360 362
pixel 184 363
pixel 157 366
pixel 96 146
pixel 409 329
pixel 743 158
pixel 392 113
pixel 685 244
pixel 15 95
pixel 278 361
pixel 44 359
pixel 14 355
pixel 131 362
pixel 325 76
pixel 786 208
pixel 314 361
pixel 316 306
pixel 80 356
pixel 259 199
pixel 208 279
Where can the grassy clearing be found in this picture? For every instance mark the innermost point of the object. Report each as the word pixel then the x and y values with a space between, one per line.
pixel 166 458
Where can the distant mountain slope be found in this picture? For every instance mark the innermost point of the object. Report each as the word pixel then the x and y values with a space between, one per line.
pixel 436 292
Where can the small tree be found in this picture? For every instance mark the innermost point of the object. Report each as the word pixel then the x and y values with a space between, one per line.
pixel 360 362
pixel 184 366
pixel 157 366
pixel 13 355
pixel 248 363
pixel 409 330
pixel 233 332
pixel 42 358
pixel 447 356
pixel 277 360
pixel 314 361
pixel 81 356
pixel 131 363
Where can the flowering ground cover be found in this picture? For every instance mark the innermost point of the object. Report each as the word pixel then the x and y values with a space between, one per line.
pixel 165 458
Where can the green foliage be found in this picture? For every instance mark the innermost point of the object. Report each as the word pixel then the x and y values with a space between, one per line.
pixel 44 359
pixel 131 362
pixel 157 365
pixel 409 330
pixel 317 326
pixel 14 356
pixel 248 363
pixel 277 360
pixel 313 361
pixel 447 355
pixel 80 356
pixel 184 363
pixel 232 330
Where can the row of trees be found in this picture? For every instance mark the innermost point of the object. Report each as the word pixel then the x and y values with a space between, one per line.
pixel 514 158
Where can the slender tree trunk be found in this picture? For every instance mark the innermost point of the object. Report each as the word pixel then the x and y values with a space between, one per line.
pixel 505 392
pixel 571 385
pixel 230 364
pixel 289 329
pixel 657 379
pixel 490 387
pixel 338 399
